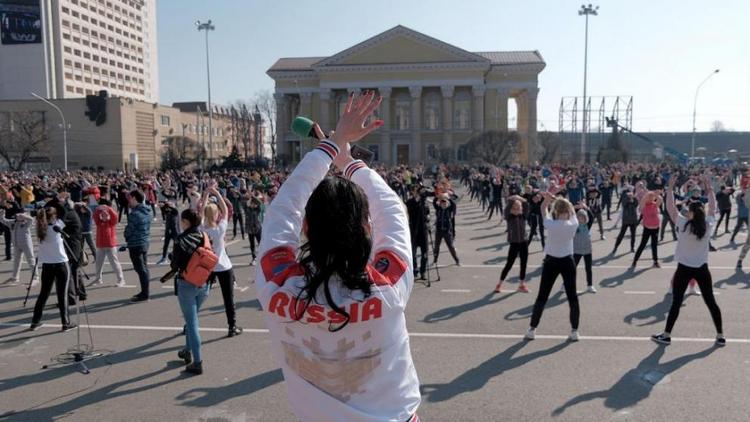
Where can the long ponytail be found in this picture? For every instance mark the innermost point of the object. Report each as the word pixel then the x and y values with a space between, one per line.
pixel 697 224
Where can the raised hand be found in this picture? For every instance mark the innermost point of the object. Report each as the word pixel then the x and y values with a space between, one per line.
pixel 351 126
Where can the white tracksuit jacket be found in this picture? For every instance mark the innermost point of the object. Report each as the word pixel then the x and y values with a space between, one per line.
pixel 363 372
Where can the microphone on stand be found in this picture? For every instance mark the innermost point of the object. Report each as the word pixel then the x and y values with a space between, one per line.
pixel 57 229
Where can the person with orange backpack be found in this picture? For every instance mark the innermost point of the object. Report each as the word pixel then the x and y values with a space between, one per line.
pixel 192 261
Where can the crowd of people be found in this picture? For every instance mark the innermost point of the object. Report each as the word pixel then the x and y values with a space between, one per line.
pixel 368 233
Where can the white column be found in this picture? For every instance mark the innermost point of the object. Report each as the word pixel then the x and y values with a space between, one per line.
pixel 415 151
pixel 478 109
pixel 530 110
pixel 447 141
pixel 325 109
pixel 385 130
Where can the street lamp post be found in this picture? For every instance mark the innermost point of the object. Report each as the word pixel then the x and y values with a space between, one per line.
pixel 585 11
pixel 208 26
pixel 64 124
pixel 695 104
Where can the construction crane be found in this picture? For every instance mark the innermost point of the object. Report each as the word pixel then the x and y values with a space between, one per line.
pixel 680 156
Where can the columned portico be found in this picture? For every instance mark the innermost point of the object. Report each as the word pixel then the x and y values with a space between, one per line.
pixel 435 96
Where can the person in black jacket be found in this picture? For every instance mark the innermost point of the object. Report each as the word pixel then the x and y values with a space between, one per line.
pixel 191 297
pixel 724 201
pixel 445 212
pixel 419 214
pixel 73 240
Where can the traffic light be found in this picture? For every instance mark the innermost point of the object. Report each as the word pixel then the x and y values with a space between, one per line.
pixel 96 107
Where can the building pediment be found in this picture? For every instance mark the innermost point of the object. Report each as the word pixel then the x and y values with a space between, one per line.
pixel 402 46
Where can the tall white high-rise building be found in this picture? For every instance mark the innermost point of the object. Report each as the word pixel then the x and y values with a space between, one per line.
pixel 73 48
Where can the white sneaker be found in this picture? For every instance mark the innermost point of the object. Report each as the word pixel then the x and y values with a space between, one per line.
pixel 120 283
pixel 34 282
pixel 96 282
pixel 693 291
pixel 573 335
pixel 591 289
pixel 163 261
pixel 530 334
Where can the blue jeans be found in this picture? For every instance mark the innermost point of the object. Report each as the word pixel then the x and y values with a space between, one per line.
pixel 191 298
pixel 139 256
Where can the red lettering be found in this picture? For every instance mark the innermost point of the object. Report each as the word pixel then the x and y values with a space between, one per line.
pixel 354 312
pixel 315 314
pixel 373 308
pixel 278 302
pixel 296 309
pixel 335 317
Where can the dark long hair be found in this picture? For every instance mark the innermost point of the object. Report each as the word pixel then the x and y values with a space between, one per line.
pixel 337 243
pixel 698 222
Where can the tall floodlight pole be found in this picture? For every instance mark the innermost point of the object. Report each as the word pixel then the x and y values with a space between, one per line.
pixel 64 125
pixel 695 104
pixel 585 11
pixel 208 26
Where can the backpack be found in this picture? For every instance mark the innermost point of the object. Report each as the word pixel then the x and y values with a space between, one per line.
pixel 201 264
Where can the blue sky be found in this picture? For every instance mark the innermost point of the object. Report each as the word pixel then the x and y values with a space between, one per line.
pixel 657 51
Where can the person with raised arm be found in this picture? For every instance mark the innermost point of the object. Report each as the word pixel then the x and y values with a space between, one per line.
pixel 691 253
pixel 561 227
pixel 335 304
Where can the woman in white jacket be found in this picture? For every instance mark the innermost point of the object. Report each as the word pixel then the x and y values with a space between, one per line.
pixel 336 314
pixel 20 228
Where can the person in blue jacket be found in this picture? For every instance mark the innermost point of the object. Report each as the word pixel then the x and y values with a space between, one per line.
pixel 137 234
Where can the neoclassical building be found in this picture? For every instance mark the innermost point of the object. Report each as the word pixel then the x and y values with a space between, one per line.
pixel 435 95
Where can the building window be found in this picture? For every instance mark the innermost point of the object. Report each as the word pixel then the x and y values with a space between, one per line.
pixel 165 120
pixel 432 152
pixel 432 111
pixel 462 111
pixel 462 153
pixel 402 111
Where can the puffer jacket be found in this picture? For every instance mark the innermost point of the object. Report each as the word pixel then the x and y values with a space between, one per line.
pixel 139 226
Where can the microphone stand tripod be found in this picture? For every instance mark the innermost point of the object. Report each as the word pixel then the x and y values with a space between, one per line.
pixel 80 353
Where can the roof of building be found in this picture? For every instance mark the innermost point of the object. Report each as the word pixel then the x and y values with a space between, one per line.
pixel 512 57
pixel 295 63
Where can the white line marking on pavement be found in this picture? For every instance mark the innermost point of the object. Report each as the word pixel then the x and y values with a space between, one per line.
pixel 638 292
pixel 610 267
pixel 455 291
pixel 242 289
pixel 412 334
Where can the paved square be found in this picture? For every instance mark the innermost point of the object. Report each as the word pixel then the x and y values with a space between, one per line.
pixel 466 342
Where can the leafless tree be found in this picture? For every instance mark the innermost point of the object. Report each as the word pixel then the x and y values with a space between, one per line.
pixel 181 151
pixel 22 134
pixel 718 126
pixel 266 104
pixel 493 147
pixel 550 143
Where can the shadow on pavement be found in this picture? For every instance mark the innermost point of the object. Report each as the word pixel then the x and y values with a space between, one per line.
pixel 631 388
pixel 739 277
pixel 476 378
pixel 654 314
pixel 525 312
pixel 211 396
pixel 454 311
pixel 95 397
pixel 618 280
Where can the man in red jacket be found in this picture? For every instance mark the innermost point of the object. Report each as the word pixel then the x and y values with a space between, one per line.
pixel 105 218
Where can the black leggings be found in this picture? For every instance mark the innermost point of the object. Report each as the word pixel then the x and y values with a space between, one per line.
pixel 645 236
pixel 551 268
pixel 682 277
pixel 253 238
pixel 516 249
pixel 169 236
pixel 237 218
pixel 741 221
pixel 587 263
pixel 722 215
pixel 536 220
pixel 226 282
pixel 56 274
pixel 621 235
